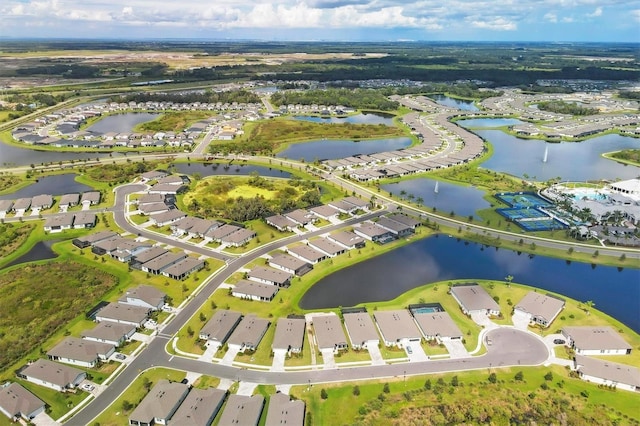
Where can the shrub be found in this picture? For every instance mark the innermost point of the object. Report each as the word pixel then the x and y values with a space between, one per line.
pixel 519 376
pixel 323 394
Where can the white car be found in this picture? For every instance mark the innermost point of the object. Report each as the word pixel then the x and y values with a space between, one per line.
pixel 88 387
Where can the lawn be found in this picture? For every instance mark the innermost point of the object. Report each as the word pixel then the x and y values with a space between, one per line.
pixel 59 403
pixel 173 121
pixel 408 402
pixel 116 414
pixel 262 356
pixel 248 191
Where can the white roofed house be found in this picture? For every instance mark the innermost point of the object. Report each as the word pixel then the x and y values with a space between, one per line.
pixel 52 375
pixel 145 296
pixel 539 308
pixel 596 340
pixel 18 403
pixel 607 373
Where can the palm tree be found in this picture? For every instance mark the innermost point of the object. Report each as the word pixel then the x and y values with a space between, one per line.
pixel 403 193
pixel 419 200
pixel 588 305
pixel 509 280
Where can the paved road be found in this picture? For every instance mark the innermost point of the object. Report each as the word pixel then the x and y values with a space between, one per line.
pixel 510 347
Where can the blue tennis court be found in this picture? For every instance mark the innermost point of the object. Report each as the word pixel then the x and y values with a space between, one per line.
pixel 522 199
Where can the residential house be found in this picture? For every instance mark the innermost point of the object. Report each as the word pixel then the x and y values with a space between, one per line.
pixel 242 410
pixel 69 200
pixel 361 330
pixel 538 308
pixel 157 265
pixel 41 202
pixel 181 270
pixel 301 217
pixel 90 198
pixel 474 299
pixel 167 189
pixel 150 199
pixel 145 296
pixel 53 375
pixel 160 404
pixel 397 328
pixel 596 340
pixel 248 334
pixel 373 232
pixel 167 218
pixel 607 373
pixel 437 326
pixel 218 329
pixel 84 220
pixel 173 180
pixel 217 234
pixel 283 410
pixel 252 290
pixel 110 332
pixel 18 403
pixel 281 223
pixel 306 253
pixel 58 223
pixel 325 212
pixel 151 209
pixel 270 276
pixel 398 229
pixel 359 203
pixel 327 247
pixel 329 333
pixel 348 240
pixel 147 255
pixel 80 352
pixel 290 264
pixel 238 238
pixel 89 240
pixel 343 206
pixel 21 205
pixel 289 335
pixel 123 314
pixel 405 220
pixel 6 206
pixel 152 175
pixel 199 408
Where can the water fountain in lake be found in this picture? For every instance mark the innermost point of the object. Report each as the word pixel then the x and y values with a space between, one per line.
pixel 436 188
pixel 546 154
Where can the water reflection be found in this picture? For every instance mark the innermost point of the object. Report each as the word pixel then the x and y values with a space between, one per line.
pixel 330 149
pixel 52 185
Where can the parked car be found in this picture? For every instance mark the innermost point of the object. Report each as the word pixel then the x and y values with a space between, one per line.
pixel 88 387
pixel 558 341
pixel 121 356
pixel 409 350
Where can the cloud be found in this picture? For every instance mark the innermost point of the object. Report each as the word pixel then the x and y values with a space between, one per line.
pixel 551 17
pixel 596 13
pixel 636 15
pixel 497 24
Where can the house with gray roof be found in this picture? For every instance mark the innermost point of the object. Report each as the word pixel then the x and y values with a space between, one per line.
pixel 306 253
pixel 343 206
pixel 80 352
pixel 270 276
pixel 398 229
pixel 607 373
pixel 109 332
pixel 182 269
pixel 150 199
pixel 290 264
pixel 289 335
pixel 281 223
pixel 361 330
pixel 123 314
pixel 538 308
pixel 359 203
pixel 217 234
pixel 148 255
pixel 238 238
pixel 282 410
pixel 373 232
pixel 84 220
pixel 474 299
pixel 42 202
pixel 329 332
pixel 52 375
pixel 218 329
pixel 167 218
pixel 145 296
pixel 153 175
pixel 156 265
pixel 167 189
pixel 151 209
pixel 199 408
pixel 69 200
pixel 252 290
pixel 595 340
pixel 90 198
pixel 6 206
pixel 405 219
pixel 347 239
pixel 301 217
pixel 248 334
pixel 18 403
pixel 397 327
pixel 325 212
pixel 160 404
pixel 21 205
pixel 89 240
pixel 242 410
pixel 58 223
pixel 327 247
pixel 437 326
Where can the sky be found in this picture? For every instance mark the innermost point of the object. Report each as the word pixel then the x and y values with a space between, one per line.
pixel 330 20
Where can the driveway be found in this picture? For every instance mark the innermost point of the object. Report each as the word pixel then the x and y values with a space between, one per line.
pixel 230 355
pixel 520 320
pixel 484 321
pixel 278 360
pixel 456 348
pixel 327 358
pixel 376 356
pixel 417 353
pixel 43 419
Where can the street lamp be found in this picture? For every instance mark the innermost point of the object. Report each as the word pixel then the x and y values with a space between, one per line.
pixel 405 378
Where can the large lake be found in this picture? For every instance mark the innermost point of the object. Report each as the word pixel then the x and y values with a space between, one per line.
pixel 52 185
pixel 11 156
pixel 213 169
pixel 488 122
pixel 363 118
pixel 463 200
pixel 454 103
pixel 329 149
pixel 575 161
pixel 40 251
pixel 615 292
pixel 121 123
